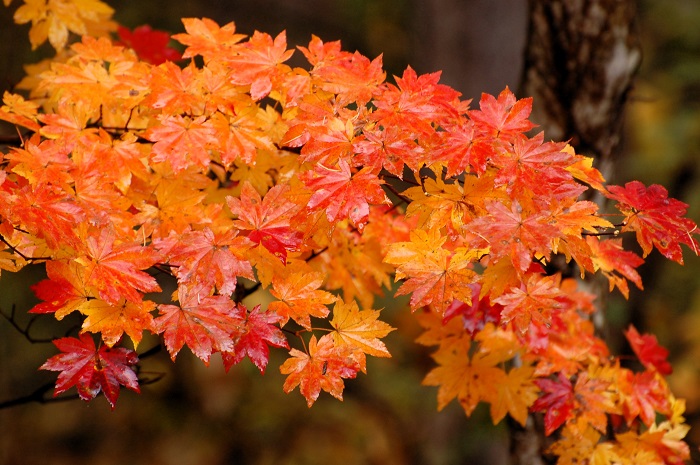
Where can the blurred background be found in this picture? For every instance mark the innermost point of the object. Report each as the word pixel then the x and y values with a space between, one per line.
pixel 197 415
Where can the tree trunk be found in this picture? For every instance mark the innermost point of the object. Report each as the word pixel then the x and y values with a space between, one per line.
pixel 580 60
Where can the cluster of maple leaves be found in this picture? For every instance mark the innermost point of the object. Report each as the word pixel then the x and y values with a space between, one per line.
pixel 234 172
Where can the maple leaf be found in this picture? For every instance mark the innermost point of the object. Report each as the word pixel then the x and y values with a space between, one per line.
pixel 390 148
pixel 150 44
pixel 300 297
pixel 54 20
pixel 648 351
pixel 175 90
pixel 463 149
pixel 256 62
pixel 267 220
pixel 209 258
pixel 63 292
pixel 343 194
pixel 205 37
pixel 359 328
pixel 205 323
pixel 112 321
pixel 257 333
pixel 533 303
pixel 504 117
pixel 114 268
pixel 514 232
pixel 477 314
pixel 515 394
pixel 92 370
pixel 643 394
pixel 415 102
pixel 615 263
pixel 323 368
pixel 435 275
pixel 576 447
pixel 16 110
pixel 532 167
pixel 182 141
pixel 658 221
pixel 45 211
pixel 350 75
pixel 557 401
pixel 470 381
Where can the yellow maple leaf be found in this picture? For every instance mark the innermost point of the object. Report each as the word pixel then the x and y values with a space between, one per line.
pixel 514 395
pixel 470 381
pixel 112 321
pixel 359 328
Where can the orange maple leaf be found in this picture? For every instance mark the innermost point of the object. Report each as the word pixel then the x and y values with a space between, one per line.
pixel 469 380
pixel 112 321
pixel 434 275
pixel 300 297
pixel 323 368
pixel 114 269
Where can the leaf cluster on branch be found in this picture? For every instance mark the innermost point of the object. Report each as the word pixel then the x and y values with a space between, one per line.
pixel 231 171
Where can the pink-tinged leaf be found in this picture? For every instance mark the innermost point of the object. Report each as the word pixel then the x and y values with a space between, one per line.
pixel 650 353
pixel 258 332
pixel 203 322
pixel 659 221
pixel 92 370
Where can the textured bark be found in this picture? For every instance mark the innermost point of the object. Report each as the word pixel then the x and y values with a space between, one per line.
pixel 580 59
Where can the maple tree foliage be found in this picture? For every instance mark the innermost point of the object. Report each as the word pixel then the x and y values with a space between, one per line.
pixel 232 172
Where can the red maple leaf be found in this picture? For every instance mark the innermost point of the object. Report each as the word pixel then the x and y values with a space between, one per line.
pixel 512 232
pixel 267 220
pixel 533 303
pixel 92 370
pixel 415 102
pixel 504 117
pixel 643 395
pixel 115 269
pixel 205 323
pixel 344 195
pixel 658 220
pixel 258 332
pixel 350 75
pixel 390 148
pixel 208 258
pixel 45 211
pixel 650 353
pixel 557 401
pixel 150 45
pixel 475 315
pixel 64 290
